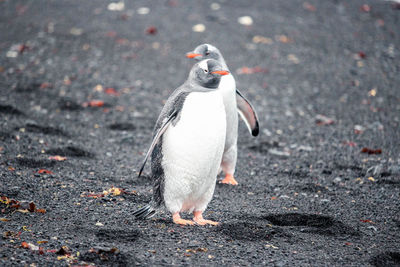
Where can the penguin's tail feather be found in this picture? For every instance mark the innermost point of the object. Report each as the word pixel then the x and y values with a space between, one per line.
pixel 146 212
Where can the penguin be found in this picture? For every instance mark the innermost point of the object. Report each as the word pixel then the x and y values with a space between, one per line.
pixel 187 147
pixel 235 103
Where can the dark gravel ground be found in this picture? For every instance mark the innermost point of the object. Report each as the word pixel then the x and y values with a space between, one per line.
pixel 307 194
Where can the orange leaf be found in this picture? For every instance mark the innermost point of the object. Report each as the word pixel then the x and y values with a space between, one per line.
pixel 24 245
pixel 41 210
pixel 94 103
pixel 4 219
pixel 45 171
pixel 45 85
pixel 58 158
pixel 112 91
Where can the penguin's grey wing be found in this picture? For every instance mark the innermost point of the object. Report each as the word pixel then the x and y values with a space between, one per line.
pixel 247 113
pixel 163 127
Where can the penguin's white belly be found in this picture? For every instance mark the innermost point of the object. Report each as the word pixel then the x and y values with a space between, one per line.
pixel 228 89
pixel 192 152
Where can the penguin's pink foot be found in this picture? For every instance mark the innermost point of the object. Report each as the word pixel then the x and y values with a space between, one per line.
pixel 178 220
pixel 229 179
pixel 198 219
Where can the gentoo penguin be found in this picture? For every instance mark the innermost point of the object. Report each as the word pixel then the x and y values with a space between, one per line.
pixel 234 103
pixel 187 146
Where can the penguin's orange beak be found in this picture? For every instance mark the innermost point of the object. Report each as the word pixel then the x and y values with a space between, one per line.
pixel 192 55
pixel 221 72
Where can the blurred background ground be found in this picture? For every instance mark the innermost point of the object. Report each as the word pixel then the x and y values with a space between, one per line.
pixel 86 81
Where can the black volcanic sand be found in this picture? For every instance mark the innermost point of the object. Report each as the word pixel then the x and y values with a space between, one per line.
pixel 307 193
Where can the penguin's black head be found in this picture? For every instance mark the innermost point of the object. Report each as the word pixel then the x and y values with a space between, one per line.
pixel 207 73
pixel 205 51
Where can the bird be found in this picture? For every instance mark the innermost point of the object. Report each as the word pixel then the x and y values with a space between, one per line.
pixel 235 103
pixel 187 146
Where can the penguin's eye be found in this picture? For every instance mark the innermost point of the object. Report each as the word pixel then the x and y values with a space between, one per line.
pixel 207 53
pixel 206 71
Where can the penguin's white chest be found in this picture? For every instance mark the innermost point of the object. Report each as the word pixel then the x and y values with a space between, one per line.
pixel 192 150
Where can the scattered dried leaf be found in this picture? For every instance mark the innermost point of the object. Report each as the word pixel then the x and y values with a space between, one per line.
pixel 58 158
pixel 262 40
pixel 32 207
pixel 151 30
pixel 371 151
pixel 112 91
pixel 309 7
pixel 366 221
pixel 365 8
pixel 247 70
pixel 44 171
pixel 283 39
pixel 93 103
pixel 24 245
pixel 45 85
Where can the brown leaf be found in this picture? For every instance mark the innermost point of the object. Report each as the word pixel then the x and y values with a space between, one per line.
pixel 32 207
pixel 151 30
pixel 371 151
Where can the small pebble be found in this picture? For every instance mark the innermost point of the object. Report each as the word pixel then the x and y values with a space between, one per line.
pixel 117 6
pixel 143 11
pixel 76 31
pixel 199 28
pixel 245 20
pixel 337 180
pixel 215 6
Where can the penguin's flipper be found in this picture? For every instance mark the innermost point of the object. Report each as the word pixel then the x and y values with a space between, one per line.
pixel 247 113
pixel 157 136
